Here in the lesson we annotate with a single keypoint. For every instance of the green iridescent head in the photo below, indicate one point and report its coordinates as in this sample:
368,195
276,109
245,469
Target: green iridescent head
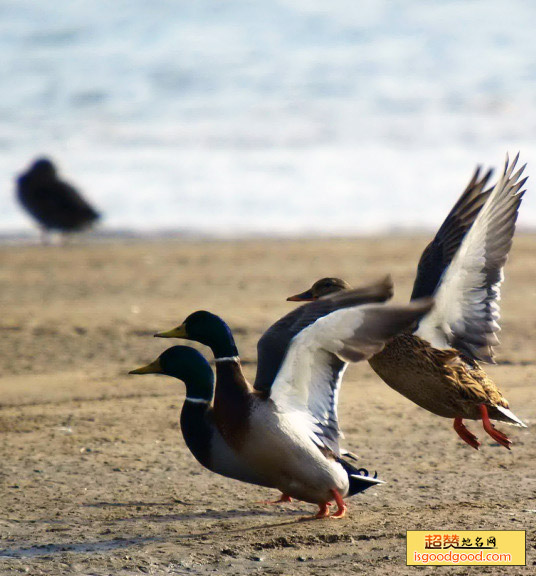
188,365
208,329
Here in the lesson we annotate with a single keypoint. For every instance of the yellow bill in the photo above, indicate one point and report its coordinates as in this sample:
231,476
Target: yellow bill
152,368
179,332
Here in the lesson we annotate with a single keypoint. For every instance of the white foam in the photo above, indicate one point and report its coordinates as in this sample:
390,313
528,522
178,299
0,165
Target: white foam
271,117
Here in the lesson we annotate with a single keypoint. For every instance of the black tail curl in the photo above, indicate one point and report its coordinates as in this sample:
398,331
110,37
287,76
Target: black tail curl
359,478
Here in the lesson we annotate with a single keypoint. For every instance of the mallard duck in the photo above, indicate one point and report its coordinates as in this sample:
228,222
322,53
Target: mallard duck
197,418
286,429
437,365
55,204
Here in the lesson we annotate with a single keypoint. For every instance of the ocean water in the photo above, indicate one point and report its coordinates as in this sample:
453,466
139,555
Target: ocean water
286,117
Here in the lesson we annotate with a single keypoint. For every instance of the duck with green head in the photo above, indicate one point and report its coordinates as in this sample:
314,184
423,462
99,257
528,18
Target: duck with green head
286,428
197,419
436,365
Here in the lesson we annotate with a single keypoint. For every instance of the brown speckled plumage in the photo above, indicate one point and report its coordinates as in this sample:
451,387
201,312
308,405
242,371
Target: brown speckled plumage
441,381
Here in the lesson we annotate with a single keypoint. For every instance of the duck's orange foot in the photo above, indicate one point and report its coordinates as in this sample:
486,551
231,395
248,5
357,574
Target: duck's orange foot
323,511
497,435
341,506
284,498
465,434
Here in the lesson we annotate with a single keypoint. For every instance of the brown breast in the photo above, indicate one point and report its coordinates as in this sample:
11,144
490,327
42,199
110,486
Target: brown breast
441,381
232,402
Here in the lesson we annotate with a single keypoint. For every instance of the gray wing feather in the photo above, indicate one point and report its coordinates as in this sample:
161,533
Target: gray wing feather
467,309
273,345
380,324
323,402
439,253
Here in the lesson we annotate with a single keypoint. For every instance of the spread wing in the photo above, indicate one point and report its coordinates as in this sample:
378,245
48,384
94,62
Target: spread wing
467,301
306,387
439,253
273,345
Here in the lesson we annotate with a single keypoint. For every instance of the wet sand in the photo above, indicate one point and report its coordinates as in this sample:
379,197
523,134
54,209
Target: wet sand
94,474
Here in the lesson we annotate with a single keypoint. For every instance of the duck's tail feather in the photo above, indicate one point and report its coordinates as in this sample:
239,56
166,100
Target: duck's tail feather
359,478
346,454
512,418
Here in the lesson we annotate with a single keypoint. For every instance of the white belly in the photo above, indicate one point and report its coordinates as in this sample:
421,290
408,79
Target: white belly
281,452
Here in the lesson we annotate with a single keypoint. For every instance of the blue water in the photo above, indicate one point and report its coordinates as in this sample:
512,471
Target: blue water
273,117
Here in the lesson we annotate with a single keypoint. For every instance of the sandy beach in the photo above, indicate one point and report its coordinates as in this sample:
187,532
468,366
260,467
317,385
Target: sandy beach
94,474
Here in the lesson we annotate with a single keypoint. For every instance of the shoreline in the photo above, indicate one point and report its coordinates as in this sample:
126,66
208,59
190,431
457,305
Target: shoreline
92,455
23,238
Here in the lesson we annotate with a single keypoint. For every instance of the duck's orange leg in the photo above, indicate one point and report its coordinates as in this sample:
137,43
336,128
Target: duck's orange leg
284,498
323,511
498,436
465,434
341,506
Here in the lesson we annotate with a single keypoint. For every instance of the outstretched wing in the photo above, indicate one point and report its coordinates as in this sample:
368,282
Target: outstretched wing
467,301
305,385
439,253
273,345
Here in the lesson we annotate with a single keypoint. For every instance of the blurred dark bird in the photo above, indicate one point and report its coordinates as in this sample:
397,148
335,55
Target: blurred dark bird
55,204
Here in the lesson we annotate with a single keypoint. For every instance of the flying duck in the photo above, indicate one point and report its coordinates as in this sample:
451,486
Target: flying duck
286,427
437,364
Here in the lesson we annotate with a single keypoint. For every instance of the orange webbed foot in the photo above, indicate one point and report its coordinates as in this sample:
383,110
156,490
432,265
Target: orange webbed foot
465,434
323,511
341,506
497,435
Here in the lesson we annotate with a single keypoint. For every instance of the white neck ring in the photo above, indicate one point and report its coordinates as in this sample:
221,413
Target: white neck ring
227,359
196,400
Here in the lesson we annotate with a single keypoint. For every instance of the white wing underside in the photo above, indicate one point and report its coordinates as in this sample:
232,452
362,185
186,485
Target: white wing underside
308,383
306,386
467,312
